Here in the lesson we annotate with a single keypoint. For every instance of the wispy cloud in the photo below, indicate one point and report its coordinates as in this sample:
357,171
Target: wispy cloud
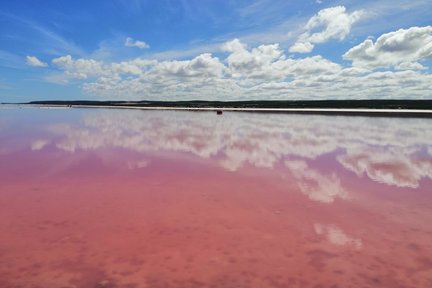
35,62
262,12
131,6
191,51
4,85
58,44
387,15
45,39
283,33
10,60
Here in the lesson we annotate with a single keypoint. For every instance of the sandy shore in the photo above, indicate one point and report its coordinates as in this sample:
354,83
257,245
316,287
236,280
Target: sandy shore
331,111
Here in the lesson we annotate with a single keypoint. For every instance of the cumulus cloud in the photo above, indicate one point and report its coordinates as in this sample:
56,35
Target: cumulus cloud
260,62
79,69
400,49
204,65
262,72
35,62
329,23
136,43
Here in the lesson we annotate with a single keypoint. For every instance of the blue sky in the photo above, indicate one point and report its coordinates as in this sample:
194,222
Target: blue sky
215,50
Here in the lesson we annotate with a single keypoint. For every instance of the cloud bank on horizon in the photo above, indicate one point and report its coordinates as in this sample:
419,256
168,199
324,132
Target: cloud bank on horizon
334,52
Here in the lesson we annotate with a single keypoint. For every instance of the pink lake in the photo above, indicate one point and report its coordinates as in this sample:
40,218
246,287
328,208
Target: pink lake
121,198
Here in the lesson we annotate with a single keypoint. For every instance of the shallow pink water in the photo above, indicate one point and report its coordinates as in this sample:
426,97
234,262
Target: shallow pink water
106,198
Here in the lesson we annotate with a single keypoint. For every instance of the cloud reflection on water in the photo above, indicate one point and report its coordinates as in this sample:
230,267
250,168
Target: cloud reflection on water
317,186
139,164
390,166
39,144
337,236
387,150
251,194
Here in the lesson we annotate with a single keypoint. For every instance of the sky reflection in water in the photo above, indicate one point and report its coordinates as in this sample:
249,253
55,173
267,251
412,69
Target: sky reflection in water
116,198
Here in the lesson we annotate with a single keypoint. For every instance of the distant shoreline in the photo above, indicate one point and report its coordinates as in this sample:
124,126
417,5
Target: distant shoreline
376,112
254,104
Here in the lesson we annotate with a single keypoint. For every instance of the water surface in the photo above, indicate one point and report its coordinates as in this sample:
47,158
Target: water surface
118,198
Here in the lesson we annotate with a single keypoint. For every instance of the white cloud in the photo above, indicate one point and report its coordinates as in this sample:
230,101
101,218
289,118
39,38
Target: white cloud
400,49
140,44
302,47
35,62
329,23
79,69
203,65
260,63
199,77
263,72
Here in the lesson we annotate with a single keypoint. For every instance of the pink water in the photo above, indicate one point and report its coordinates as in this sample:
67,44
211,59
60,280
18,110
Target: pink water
106,198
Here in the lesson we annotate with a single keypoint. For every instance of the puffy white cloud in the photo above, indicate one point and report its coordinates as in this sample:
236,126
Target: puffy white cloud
136,43
88,68
400,49
301,47
315,65
79,69
35,62
329,23
268,63
202,66
262,72
261,62
268,66
197,78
